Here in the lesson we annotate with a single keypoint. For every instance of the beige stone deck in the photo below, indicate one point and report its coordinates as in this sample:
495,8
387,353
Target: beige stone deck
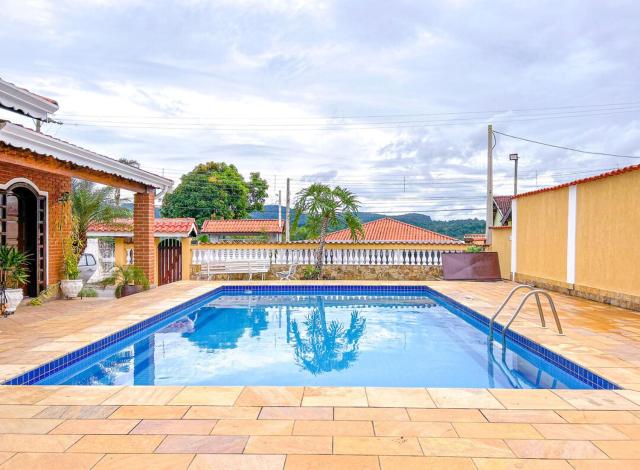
296,427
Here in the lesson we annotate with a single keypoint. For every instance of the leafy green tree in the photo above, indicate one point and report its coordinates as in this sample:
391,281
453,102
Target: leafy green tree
90,204
215,190
326,208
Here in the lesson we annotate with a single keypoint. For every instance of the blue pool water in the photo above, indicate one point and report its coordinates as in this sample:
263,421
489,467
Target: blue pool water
346,338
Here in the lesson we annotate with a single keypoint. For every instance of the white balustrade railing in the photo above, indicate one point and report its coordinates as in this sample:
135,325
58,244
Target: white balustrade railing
332,256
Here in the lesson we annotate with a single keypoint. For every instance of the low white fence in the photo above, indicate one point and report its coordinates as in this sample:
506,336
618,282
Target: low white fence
332,256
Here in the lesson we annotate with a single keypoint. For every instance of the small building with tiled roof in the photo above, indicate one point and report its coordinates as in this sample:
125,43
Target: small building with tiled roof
390,230
501,210
162,228
243,229
475,239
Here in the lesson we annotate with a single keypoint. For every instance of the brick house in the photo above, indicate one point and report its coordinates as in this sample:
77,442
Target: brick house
35,180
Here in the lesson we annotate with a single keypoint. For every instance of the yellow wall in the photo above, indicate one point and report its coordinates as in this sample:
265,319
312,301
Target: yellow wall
542,235
607,234
501,243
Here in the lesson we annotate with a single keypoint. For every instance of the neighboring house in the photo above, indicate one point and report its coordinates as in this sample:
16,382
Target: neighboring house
269,230
172,233
391,230
36,170
501,210
475,239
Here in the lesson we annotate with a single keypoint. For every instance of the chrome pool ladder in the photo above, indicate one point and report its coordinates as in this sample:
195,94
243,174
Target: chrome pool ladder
533,292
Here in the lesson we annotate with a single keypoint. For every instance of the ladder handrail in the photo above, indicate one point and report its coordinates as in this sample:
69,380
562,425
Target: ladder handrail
536,292
513,291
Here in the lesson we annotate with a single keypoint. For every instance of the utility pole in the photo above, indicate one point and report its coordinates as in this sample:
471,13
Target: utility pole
280,208
514,158
489,184
287,214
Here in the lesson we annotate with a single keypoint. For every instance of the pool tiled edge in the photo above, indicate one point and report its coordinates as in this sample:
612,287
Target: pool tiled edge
43,371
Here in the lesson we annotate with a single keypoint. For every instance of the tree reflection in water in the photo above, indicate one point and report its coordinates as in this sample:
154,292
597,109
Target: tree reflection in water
327,347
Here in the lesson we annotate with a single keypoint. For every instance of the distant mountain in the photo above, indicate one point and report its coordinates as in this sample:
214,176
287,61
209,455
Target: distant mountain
454,228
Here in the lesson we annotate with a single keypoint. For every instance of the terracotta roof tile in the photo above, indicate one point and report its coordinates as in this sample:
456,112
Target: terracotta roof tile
503,203
391,230
177,225
619,171
242,226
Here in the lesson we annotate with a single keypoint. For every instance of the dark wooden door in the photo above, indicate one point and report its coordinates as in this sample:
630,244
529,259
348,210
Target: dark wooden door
169,261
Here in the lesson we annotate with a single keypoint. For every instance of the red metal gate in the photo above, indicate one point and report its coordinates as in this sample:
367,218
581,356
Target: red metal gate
169,261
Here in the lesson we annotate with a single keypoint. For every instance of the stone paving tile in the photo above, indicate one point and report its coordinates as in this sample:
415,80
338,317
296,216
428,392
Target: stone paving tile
619,449
596,400
399,397
52,461
376,445
222,412
414,429
270,396
523,416
530,399
461,447
76,412
288,445
238,462
20,411
497,430
448,415
249,427
96,426
523,464
79,395
431,463
333,428
24,395
369,414
4,456
555,449
28,426
217,396
177,444
632,431
290,412
599,417
148,412
605,464
334,396
175,426
580,431
143,395
36,442
334,462
116,444
139,461
463,398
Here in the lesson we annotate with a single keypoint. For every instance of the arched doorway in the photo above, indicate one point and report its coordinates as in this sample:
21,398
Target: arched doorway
169,261
23,211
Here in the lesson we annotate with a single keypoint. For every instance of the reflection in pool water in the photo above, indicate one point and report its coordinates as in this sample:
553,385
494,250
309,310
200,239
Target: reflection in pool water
338,340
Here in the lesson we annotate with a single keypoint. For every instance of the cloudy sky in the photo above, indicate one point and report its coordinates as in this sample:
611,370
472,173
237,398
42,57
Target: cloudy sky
390,99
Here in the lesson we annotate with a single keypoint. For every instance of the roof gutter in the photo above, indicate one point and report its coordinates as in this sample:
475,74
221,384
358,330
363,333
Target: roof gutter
21,137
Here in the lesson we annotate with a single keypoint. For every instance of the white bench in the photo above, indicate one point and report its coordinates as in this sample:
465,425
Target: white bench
249,266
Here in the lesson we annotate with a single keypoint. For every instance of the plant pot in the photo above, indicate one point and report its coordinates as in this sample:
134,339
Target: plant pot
130,290
71,288
14,297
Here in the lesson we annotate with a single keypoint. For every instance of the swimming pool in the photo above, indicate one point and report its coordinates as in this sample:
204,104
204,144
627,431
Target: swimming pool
305,335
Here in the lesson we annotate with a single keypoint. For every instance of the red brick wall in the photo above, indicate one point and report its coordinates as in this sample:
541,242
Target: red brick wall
55,185
144,251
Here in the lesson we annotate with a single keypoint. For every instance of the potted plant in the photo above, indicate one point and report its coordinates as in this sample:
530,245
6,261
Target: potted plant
128,279
14,274
71,284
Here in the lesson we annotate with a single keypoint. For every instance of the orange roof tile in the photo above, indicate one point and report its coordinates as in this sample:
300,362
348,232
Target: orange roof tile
177,225
242,226
619,171
391,230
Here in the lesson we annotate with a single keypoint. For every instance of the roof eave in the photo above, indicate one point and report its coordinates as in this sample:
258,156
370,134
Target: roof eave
21,137
24,102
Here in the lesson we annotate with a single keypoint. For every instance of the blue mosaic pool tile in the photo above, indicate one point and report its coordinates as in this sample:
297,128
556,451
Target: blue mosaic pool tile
55,366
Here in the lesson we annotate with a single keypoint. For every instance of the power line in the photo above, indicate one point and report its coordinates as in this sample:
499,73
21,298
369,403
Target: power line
566,148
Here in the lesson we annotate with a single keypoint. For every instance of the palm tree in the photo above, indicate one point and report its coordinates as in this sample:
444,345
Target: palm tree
93,204
326,208
126,161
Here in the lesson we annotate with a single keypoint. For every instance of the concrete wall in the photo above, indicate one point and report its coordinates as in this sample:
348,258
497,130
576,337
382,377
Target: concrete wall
501,243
